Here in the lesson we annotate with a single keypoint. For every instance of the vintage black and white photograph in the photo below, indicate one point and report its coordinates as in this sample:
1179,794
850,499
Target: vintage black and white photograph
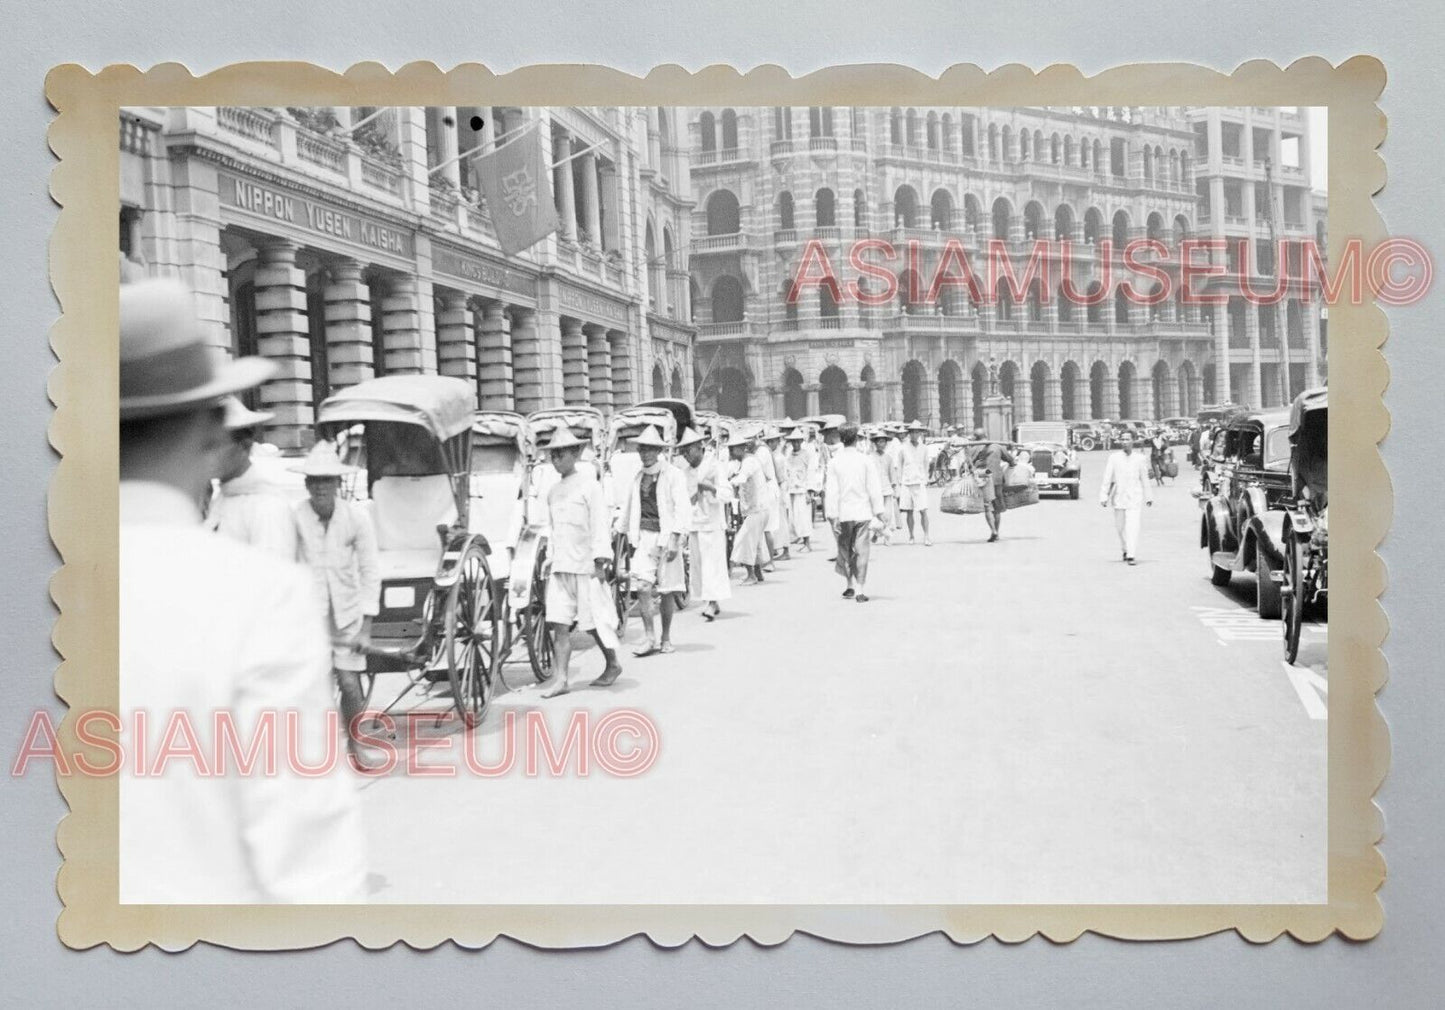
723,505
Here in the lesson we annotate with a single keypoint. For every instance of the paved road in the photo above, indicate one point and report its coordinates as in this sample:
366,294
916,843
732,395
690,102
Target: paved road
1026,721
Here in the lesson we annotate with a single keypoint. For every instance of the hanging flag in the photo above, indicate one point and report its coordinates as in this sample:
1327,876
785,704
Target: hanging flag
513,180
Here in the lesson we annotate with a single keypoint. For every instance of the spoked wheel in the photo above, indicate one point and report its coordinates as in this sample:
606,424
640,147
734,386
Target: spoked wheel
1294,597
621,579
472,636
534,620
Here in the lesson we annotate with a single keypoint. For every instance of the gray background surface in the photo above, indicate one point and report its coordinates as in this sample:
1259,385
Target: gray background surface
1400,968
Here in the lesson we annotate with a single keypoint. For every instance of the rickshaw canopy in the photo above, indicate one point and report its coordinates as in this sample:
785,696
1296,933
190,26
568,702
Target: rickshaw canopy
631,422
502,424
442,405
588,419
682,413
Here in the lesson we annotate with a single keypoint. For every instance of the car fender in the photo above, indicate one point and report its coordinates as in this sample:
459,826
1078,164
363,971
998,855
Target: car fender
1266,532
1216,511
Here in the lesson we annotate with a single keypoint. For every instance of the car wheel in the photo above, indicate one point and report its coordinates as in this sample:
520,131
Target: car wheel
1266,592
1087,444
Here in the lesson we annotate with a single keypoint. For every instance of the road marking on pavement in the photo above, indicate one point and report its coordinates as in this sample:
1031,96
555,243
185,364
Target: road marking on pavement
1313,690
1231,624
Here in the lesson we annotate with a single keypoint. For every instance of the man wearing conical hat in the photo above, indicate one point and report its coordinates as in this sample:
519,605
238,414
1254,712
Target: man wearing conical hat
246,505
213,628
913,481
709,492
656,516
337,541
751,488
797,466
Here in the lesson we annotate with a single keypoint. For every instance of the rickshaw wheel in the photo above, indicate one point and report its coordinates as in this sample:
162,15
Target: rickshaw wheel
534,620
1294,611
621,579
472,637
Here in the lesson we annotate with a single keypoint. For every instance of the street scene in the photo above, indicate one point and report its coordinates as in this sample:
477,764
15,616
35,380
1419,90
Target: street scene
1029,720
692,505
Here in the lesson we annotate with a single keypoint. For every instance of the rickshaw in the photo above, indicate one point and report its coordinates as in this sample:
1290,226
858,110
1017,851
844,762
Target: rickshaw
527,594
669,417
504,510
440,610
1305,576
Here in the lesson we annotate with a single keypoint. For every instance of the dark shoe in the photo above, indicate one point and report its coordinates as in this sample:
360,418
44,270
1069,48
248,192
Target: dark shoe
861,598
1124,556
847,594
1130,560
992,537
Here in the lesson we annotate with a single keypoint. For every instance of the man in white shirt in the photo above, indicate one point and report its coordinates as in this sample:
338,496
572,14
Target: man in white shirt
337,541
581,547
655,516
854,502
751,487
913,481
798,465
213,628
1126,488
708,491
247,504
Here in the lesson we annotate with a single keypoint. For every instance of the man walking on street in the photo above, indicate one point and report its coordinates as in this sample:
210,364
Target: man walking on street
750,486
338,543
855,507
246,505
707,490
800,509
887,467
581,548
913,481
655,516
1126,489
988,461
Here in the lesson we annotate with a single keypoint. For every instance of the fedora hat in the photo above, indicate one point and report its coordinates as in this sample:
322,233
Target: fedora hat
165,365
651,437
691,436
322,461
240,417
562,438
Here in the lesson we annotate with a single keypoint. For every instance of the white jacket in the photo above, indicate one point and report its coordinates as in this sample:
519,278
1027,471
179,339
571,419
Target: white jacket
1126,480
674,504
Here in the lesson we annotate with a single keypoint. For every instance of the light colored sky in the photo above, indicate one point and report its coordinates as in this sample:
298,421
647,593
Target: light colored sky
1317,116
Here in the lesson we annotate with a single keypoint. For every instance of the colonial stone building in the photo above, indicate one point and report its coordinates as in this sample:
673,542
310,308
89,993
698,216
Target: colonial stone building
770,180
347,243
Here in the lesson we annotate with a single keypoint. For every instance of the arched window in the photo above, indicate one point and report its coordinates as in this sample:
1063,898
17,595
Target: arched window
913,377
783,123
905,207
707,131
1093,226
727,300
722,213
911,125
823,209
1034,220
895,126
1002,218
860,209
1098,382
659,385
1127,407
1038,391
729,130
1064,223
785,211
941,206
1025,145
795,400
833,391
1121,306
1120,231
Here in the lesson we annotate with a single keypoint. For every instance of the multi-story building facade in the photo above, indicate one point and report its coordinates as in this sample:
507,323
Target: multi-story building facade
1253,186
768,181
345,243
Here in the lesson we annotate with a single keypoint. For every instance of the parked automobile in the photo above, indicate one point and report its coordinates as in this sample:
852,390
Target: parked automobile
1056,466
1087,436
1178,429
1248,486
1306,541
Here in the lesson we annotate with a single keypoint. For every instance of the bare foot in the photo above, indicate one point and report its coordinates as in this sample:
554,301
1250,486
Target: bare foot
562,687
609,676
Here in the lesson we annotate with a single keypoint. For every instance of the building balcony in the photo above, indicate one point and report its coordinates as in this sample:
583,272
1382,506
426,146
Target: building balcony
735,242
741,329
822,145
782,148
720,156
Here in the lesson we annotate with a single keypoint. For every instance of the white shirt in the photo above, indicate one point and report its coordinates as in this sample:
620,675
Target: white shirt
854,493
912,463
1126,480
251,510
212,627
581,530
707,511
751,484
674,506
341,554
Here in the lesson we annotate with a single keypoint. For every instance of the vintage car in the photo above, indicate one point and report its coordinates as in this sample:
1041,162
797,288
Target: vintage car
1087,436
1304,581
1178,429
1056,466
1242,523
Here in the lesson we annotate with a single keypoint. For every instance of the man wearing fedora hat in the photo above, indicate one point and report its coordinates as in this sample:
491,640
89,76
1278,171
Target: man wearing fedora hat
581,549
656,515
338,543
212,627
246,505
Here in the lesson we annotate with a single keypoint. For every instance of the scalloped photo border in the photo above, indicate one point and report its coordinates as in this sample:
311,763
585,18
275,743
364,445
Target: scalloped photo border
83,496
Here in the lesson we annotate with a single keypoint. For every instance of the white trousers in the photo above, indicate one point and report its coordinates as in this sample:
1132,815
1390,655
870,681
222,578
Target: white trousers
1126,522
710,565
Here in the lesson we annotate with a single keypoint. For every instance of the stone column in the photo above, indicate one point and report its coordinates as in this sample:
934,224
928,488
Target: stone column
574,363
963,402
928,400
402,327
654,139
1053,399
530,386
411,136
775,401
593,208
855,404
811,389
348,325
446,120
456,337
1111,394
282,335
1196,389
562,182
494,359
621,360
1143,396
599,367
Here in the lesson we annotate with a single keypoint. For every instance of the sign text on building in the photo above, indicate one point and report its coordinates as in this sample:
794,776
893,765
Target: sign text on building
454,264
593,306
309,215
